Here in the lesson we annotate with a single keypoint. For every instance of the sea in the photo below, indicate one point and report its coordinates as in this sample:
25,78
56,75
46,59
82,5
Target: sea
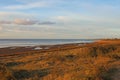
36,42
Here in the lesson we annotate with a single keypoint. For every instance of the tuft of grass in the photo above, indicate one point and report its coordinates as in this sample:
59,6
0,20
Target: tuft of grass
108,74
11,64
5,73
25,74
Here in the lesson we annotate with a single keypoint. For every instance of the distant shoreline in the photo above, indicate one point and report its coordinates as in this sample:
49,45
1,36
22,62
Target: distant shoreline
4,43
49,48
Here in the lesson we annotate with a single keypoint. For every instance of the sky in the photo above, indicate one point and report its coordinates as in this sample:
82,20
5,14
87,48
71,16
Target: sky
59,19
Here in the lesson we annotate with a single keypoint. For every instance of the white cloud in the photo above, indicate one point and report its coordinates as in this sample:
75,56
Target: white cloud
28,4
27,22
63,18
78,19
0,28
24,22
10,15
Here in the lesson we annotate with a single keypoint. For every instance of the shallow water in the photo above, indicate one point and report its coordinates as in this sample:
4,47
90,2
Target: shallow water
33,42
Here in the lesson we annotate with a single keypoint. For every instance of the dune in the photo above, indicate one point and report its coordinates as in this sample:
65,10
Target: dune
99,60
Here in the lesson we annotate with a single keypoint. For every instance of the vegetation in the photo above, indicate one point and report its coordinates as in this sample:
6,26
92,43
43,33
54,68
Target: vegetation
95,61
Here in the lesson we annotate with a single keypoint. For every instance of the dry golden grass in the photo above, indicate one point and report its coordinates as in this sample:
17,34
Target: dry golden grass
95,61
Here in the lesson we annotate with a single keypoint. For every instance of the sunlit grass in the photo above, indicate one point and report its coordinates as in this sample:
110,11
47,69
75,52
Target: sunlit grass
96,61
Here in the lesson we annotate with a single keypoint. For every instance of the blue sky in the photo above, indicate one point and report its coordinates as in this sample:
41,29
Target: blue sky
60,19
